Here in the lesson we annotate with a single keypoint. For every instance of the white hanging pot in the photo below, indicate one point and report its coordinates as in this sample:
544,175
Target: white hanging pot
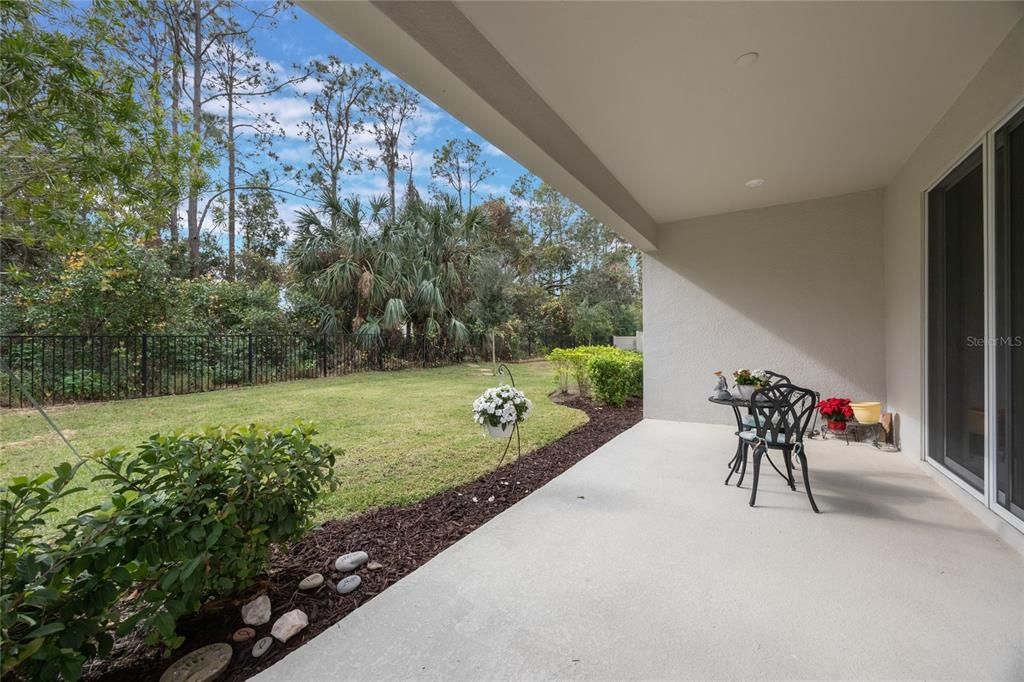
499,431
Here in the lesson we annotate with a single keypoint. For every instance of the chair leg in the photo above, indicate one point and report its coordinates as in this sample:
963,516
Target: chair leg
743,464
807,480
787,454
758,452
734,463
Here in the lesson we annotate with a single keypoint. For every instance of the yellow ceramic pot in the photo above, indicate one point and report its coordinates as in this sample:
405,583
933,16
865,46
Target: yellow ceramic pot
867,413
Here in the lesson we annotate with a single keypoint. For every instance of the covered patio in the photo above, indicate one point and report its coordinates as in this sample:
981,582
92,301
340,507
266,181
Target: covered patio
639,563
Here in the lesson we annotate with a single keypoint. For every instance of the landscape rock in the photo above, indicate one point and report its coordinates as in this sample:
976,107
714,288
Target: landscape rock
311,582
351,561
261,647
257,612
374,566
349,584
202,665
243,634
288,625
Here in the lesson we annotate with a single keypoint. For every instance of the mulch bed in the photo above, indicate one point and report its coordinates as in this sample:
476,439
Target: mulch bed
400,539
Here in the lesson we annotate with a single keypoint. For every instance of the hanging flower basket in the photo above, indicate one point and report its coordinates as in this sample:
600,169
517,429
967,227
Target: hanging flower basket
501,431
499,409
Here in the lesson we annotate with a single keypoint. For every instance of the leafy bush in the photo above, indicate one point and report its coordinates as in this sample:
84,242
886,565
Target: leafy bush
83,384
191,516
560,358
615,374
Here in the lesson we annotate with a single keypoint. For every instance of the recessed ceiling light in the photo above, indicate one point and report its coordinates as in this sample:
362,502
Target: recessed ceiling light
747,59
754,182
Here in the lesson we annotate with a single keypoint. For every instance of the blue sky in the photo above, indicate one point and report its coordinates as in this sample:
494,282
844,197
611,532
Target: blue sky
305,39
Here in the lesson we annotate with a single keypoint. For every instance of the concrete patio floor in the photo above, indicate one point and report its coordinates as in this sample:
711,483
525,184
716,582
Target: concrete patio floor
639,563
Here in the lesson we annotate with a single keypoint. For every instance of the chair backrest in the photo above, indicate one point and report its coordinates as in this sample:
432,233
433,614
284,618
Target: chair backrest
782,412
776,378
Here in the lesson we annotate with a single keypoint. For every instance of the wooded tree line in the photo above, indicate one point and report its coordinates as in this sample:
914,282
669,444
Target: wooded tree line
142,188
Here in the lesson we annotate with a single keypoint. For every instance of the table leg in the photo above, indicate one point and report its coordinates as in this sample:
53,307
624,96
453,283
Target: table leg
734,463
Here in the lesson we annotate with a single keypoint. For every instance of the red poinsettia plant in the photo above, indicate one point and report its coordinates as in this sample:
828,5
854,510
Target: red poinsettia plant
837,412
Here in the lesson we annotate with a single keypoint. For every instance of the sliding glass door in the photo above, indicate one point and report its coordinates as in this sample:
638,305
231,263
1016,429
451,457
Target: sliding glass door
1008,147
975,320
956,321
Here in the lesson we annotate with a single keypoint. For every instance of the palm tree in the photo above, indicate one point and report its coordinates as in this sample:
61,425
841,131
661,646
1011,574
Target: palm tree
377,276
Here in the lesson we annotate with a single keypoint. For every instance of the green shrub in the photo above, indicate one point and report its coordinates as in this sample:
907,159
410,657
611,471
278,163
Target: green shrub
560,358
191,516
614,374
82,384
617,377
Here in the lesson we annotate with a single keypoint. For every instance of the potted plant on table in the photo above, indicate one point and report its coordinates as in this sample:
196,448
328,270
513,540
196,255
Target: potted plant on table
499,409
748,381
836,411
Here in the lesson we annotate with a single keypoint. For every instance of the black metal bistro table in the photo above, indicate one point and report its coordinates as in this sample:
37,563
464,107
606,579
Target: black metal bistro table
739,460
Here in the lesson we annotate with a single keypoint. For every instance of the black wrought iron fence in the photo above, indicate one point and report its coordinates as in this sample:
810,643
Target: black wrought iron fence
61,369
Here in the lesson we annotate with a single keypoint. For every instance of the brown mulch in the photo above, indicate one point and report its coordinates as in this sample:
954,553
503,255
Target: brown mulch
398,539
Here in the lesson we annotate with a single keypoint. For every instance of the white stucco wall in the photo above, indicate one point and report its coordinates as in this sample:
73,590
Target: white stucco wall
994,91
762,289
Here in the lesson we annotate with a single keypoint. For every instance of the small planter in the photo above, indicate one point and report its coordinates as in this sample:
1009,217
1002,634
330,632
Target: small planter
867,413
836,426
499,431
745,391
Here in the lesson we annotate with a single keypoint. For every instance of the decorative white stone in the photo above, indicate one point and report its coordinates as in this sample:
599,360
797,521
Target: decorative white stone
311,582
349,584
202,665
288,625
257,612
262,646
351,561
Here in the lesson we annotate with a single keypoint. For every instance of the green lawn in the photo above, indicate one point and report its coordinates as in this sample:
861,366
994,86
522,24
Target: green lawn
405,435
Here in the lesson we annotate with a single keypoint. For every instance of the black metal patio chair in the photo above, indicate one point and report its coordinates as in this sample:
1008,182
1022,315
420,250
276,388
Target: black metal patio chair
782,415
739,460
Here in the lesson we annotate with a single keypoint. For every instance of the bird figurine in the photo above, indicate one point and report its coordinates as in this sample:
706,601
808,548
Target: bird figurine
721,390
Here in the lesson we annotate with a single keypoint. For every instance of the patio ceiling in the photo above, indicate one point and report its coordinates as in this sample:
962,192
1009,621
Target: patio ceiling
640,113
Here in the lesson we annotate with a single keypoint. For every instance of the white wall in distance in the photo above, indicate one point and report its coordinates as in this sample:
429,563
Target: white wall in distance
993,92
796,288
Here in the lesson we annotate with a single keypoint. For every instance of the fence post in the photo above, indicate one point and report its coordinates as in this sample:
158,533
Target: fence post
145,364
323,355
249,363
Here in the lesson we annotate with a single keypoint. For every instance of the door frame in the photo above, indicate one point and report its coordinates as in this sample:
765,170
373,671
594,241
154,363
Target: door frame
988,495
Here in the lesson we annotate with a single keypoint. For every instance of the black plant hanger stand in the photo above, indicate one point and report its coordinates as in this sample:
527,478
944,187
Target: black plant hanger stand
503,369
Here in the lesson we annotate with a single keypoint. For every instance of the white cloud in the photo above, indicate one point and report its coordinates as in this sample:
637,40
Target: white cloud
491,189
491,150
421,161
427,121
289,209
295,153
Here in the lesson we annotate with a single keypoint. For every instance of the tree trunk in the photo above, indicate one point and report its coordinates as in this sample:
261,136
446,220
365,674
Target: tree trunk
231,181
197,112
176,83
391,187
494,357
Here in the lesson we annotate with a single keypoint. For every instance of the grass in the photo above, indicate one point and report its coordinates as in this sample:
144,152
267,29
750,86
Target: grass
405,435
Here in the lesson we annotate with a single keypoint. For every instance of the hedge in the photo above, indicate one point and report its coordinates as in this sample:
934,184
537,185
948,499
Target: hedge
611,375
